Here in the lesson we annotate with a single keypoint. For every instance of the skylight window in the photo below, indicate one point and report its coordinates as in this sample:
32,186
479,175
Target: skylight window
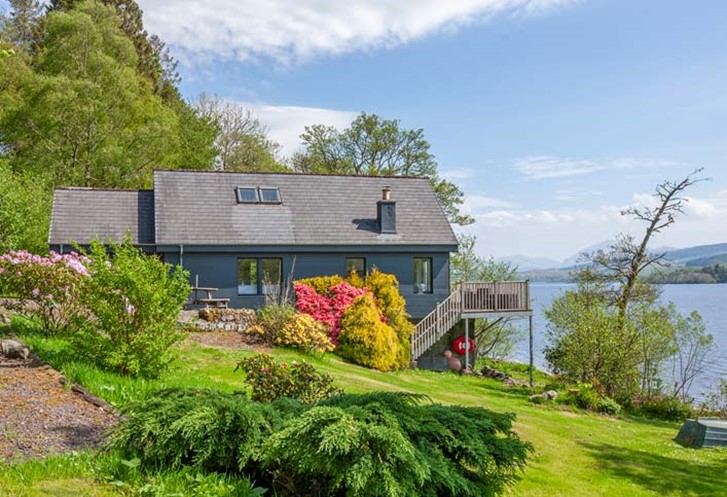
269,195
247,195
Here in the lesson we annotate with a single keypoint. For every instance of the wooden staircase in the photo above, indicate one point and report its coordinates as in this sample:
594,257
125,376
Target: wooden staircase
470,299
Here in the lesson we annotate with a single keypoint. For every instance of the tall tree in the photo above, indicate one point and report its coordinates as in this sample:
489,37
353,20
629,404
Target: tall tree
242,142
611,330
21,26
86,116
372,145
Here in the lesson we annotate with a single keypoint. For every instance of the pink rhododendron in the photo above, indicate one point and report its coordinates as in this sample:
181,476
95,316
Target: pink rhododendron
324,309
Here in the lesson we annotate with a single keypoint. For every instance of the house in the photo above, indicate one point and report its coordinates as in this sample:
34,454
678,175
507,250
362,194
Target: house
248,235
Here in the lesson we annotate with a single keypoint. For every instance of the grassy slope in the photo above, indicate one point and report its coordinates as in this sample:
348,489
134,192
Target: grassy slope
575,453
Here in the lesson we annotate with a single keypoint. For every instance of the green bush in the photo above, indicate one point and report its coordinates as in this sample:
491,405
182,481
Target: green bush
386,444
202,428
133,302
365,339
607,405
270,320
664,407
272,380
381,444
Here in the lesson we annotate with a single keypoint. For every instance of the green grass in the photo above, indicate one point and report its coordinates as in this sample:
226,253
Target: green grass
576,453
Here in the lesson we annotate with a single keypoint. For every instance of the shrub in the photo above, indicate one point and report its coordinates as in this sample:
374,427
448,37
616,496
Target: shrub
205,428
305,333
322,284
327,307
607,405
270,320
392,305
134,301
271,380
386,444
47,287
664,407
365,339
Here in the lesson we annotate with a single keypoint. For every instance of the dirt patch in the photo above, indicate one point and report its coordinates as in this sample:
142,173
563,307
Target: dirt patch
39,417
224,339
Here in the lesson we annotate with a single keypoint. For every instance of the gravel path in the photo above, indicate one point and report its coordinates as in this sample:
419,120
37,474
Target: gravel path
39,416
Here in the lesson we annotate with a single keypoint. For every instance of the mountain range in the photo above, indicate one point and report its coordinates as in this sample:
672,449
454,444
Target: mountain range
544,269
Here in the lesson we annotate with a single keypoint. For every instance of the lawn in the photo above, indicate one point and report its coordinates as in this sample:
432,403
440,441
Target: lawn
576,453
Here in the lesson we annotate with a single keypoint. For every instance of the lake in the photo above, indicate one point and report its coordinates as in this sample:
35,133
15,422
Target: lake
709,300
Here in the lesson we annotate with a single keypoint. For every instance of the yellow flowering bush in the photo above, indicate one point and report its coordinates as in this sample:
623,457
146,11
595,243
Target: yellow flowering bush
303,332
365,339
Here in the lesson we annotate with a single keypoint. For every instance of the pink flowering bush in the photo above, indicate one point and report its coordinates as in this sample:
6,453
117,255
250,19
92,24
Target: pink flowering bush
327,309
46,288
272,380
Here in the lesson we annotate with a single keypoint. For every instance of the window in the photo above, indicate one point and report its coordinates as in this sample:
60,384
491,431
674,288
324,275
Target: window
247,276
259,275
272,272
246,195
357,264
257,195
422,275
269,195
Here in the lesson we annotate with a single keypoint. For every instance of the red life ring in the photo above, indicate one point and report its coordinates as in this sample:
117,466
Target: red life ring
460,345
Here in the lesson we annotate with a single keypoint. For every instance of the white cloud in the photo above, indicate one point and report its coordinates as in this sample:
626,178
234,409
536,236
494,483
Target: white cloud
549,167
474,203
458,173
294,30
562,233
286,122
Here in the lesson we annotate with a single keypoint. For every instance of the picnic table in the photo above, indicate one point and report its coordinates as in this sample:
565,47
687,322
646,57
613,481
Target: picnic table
209,299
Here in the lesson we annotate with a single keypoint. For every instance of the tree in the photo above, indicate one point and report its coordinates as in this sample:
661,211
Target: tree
24,211
610,330
375,146
86,116
21,26
693,344
242,142
494,338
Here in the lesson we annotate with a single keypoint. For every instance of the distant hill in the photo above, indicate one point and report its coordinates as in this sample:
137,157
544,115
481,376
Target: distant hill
687,256
550,270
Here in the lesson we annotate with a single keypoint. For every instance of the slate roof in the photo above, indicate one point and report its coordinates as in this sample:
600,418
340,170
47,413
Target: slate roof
200,208
82,214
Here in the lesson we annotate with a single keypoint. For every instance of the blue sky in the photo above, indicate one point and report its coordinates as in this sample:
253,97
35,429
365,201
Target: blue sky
552,115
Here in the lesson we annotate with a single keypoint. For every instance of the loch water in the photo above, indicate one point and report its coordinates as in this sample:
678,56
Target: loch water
709,300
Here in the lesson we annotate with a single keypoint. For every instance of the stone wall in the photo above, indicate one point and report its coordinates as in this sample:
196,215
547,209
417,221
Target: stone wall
218,319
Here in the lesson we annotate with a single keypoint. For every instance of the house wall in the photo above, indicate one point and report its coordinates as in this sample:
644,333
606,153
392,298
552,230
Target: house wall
219,270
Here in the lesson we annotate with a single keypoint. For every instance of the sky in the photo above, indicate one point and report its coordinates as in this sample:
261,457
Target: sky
551,115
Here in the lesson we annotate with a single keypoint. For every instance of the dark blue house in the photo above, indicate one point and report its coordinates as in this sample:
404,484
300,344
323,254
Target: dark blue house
250,234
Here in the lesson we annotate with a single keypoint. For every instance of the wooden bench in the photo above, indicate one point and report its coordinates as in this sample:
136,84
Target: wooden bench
220,303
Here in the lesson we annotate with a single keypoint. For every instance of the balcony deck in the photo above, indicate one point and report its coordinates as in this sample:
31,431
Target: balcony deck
506,298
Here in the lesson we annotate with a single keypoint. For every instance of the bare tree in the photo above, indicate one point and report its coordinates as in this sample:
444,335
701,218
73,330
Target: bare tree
242,141
627,258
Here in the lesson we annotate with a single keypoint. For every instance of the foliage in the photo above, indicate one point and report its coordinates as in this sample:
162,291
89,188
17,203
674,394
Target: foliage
89,120
270,320
21,26
203,428
715,402
323,284
305,333
692,345
271,380
242,142
387,444
365,339
585,396
375,146
666,407
329,307
134,301
47,287
392,306
24,211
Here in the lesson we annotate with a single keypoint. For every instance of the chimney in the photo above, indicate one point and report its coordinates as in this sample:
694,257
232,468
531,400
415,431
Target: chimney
386,212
